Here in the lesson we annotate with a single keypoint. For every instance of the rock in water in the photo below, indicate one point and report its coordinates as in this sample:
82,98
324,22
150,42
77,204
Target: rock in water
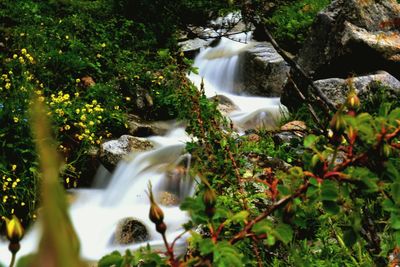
352,36
264,70
129,230
167,199
113,151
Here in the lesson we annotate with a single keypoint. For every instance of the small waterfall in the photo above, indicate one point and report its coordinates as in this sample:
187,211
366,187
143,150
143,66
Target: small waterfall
220,72
97,212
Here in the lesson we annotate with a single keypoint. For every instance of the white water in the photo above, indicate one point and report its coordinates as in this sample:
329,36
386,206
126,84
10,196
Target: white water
96,212
219,70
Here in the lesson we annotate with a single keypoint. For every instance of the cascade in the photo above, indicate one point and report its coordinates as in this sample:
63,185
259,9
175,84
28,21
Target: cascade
96,212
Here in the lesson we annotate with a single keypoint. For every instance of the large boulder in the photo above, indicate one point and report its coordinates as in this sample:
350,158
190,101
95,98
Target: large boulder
129,230
113,151
264,71
353,36
337,89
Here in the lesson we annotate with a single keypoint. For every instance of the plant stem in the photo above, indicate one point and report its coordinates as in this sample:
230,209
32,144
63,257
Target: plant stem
12,259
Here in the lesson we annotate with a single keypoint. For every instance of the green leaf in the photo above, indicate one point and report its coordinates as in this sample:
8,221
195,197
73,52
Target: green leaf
226,255
240,216
395,190
331,207
395,221
310,140
349,237
329,191
206,246
284,233
114,258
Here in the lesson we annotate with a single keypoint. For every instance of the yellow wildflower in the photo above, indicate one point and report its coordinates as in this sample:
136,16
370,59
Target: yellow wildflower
16,120
23,51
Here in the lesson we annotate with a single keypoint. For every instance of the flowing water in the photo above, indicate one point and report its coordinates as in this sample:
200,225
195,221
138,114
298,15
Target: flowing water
96,212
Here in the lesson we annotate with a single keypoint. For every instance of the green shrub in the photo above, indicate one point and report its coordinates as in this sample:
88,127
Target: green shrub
290,22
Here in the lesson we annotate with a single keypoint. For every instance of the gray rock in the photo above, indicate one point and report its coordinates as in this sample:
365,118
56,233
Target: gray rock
192,47
225,105
113,151
337,89
142,128
129,230
167,199
143,102
352,36
264,70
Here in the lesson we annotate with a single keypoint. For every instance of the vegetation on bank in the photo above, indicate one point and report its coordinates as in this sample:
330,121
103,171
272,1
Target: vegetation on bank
338,205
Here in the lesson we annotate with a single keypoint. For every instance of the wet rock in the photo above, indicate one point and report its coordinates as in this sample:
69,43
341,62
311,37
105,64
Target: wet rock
225,105
129,230
167,199
285,138
352,36
264,70
192,47
113,151
143,102
142,128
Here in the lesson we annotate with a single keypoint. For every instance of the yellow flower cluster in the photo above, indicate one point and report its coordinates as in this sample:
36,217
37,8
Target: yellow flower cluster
158,79
5,81
24,56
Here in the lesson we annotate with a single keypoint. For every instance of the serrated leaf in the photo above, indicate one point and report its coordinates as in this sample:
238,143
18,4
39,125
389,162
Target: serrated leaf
206,246
395,221
240,216
389,206
329,191
395,191
310,140
331,207
112,259
284,233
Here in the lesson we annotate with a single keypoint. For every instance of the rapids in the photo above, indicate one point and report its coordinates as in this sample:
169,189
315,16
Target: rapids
96,212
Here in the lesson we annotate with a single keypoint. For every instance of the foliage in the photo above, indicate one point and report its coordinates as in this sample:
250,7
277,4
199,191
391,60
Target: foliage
91,66
290,22
337,206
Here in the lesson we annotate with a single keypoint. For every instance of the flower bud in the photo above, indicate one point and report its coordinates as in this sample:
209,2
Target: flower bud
353,102
337,123
161,228
14,229
156,214
209,198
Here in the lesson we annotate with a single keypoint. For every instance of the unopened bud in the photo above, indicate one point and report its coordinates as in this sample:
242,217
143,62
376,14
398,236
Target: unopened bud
14,229
156,214
14,247
353,102
337,123
209,198
161,228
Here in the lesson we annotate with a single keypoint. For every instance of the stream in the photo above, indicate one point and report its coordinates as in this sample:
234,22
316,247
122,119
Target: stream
96,213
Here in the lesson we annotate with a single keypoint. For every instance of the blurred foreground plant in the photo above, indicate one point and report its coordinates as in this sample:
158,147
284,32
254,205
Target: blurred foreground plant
59,245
